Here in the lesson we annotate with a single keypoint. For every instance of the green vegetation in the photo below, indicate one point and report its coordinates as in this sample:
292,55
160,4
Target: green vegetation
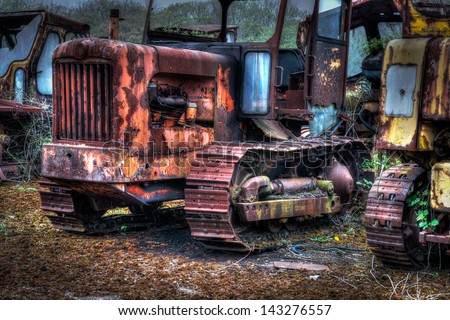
419,201
93,12
27,137
376,44
3,230
322,239
379,162
20,188
256,20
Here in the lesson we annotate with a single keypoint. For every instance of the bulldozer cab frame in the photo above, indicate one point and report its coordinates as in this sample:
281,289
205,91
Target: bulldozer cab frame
280,82
27,40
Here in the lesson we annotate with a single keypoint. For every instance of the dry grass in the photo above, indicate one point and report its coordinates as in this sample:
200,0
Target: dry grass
38,262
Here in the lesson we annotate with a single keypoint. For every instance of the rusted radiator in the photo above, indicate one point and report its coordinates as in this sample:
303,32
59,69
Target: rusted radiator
83,103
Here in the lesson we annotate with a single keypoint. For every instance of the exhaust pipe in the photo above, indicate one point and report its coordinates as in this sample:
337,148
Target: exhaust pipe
114,24
262,185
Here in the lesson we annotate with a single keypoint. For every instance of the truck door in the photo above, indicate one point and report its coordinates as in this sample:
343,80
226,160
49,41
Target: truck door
326,63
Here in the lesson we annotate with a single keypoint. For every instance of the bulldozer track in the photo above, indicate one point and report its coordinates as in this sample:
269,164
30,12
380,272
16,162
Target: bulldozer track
209,194
210,197
386,220
59,200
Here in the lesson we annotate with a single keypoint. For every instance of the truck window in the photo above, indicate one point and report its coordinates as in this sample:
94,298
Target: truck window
73,36
390,30
44,66
358,37
185,17
296,12
256,84
17,41
329,24
256,19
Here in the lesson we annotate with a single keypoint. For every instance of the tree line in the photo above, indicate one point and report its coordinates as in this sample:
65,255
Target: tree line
93,12
255,19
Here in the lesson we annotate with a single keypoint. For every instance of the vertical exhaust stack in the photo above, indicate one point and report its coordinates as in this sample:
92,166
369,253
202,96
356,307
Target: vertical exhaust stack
114,24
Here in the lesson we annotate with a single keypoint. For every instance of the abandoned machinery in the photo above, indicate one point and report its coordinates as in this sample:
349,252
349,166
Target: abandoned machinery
408,211
215,123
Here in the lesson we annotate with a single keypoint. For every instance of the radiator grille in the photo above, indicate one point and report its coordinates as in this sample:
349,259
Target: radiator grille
83,101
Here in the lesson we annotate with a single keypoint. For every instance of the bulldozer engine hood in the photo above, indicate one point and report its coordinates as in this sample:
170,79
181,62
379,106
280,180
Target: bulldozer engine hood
132,68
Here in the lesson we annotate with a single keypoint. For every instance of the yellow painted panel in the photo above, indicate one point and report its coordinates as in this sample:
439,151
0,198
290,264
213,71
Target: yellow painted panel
440,186
401,132
426,137
423,26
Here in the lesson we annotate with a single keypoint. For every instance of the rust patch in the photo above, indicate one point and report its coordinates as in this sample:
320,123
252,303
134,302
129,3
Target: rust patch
224,99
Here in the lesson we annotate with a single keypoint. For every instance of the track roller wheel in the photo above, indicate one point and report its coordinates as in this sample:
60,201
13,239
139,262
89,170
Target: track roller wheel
291,224
274,226
83,209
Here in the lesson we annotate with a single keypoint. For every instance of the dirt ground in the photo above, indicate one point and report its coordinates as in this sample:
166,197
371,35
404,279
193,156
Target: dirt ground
38,262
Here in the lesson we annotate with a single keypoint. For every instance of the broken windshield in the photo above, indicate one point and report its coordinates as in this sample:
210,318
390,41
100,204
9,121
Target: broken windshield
188,17
255,19
17,37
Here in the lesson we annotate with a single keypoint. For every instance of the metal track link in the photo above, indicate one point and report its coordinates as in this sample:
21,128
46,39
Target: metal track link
208,193
207,197
59,200
385,221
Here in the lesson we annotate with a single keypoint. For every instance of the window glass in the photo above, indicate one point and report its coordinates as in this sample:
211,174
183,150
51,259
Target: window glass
256,83
330,19
358,38
17,41
256,19
19,85
186,17
44,67
400,90
296,12
231,37
390,30
72,36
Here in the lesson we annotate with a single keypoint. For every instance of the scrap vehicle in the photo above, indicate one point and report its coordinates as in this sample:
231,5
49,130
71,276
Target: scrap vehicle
407,213
373,24
216,123
27,40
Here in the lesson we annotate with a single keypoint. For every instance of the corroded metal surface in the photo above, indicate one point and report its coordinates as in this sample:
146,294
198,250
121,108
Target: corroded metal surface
15,108
440,187
288,208
50,23
400,132
389,225
73,215
428,19
216,180
328,85
436,92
